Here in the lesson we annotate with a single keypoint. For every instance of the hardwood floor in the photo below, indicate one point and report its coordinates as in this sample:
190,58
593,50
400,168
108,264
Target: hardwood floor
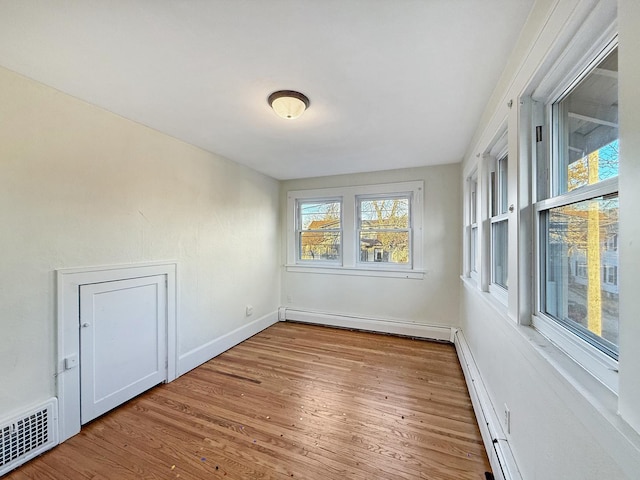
294,401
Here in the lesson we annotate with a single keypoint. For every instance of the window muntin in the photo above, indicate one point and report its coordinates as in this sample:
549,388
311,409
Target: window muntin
319,230
384,233
579,224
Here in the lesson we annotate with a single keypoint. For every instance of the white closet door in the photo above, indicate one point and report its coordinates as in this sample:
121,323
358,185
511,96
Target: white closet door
122,341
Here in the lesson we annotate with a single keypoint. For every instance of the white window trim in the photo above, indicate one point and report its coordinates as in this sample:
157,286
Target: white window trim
499,151
575,66
474,208
298,229
599,364
382,265
350,264
551,105
500,293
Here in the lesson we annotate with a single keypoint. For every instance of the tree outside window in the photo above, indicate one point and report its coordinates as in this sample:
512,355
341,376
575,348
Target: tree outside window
384,229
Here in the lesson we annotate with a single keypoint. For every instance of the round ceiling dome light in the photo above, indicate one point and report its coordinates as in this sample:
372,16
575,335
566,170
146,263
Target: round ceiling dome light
288,103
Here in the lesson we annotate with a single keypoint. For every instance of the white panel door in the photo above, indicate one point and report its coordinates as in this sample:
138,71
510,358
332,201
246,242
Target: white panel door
122,341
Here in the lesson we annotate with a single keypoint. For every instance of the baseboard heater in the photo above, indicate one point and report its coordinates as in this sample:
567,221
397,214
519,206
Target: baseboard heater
28,434
496,444
371,324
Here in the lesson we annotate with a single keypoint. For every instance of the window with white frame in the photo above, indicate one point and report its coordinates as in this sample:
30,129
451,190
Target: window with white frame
360,230
499,222
473,226
384,229
578,214
319,230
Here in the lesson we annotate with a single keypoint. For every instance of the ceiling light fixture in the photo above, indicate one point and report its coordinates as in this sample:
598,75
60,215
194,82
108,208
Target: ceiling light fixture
288,104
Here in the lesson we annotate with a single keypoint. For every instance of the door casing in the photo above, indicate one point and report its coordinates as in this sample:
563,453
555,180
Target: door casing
68,282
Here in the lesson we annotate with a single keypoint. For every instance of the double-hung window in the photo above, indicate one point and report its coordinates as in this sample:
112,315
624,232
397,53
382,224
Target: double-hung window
367,230
578,212
319,230
384,229
499,223
473,227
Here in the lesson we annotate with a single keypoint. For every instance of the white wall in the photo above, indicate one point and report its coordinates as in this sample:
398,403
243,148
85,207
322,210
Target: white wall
431,301
564,423
555,431
629,11
82,187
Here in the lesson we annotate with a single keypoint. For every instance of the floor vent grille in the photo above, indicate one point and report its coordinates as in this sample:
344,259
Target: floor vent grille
27,435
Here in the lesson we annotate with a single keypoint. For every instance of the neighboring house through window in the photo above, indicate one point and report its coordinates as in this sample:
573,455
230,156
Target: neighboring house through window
319,230
361,230
384,231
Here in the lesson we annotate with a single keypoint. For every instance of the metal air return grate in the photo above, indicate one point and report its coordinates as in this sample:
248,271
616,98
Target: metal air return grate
27,435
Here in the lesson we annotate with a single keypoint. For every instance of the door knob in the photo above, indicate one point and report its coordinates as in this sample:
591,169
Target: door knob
85,324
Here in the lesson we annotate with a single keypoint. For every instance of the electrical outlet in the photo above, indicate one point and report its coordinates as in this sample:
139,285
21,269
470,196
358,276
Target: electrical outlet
249,310
507,419
289,298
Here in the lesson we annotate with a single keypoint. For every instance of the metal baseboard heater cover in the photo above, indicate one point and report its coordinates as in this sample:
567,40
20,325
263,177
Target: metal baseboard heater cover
498,449
28,434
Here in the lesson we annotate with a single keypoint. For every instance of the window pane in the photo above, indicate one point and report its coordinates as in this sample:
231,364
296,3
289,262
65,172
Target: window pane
387,213
320,215
384,230
474,246
384,246
502,189
588,123
319,225
499,233
581,271
474,205
319,245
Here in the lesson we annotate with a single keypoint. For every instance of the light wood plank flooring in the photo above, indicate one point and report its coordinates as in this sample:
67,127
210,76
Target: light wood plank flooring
294,401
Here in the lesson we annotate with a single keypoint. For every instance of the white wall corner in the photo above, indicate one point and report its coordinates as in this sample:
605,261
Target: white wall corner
209,350
454,331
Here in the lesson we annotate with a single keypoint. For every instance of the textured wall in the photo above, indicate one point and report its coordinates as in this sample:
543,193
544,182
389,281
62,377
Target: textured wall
82,187
431,301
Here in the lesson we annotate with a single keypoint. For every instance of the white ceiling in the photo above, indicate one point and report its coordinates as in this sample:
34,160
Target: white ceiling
392,83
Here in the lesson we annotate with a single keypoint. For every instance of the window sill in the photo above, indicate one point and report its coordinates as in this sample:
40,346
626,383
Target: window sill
469,281
586,361
499,293
591,399
489,297
357,271
605,369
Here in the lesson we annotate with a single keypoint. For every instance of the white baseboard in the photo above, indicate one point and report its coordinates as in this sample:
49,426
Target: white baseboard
381,325
206,352
496,444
